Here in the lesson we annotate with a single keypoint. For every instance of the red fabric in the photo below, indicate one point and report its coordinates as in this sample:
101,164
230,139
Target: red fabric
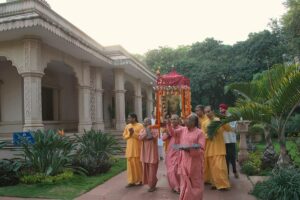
224,106
172,79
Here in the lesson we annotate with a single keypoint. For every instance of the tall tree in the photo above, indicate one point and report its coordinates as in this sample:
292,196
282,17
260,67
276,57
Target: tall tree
291,25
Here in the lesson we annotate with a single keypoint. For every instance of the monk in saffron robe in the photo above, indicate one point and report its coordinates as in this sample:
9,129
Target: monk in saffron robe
172,156
199,110
191,161
215,155
165,136
204,122
133,150
149,154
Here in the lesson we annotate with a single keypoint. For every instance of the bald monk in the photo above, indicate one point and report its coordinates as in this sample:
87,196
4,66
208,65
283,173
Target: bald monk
215,156
149,154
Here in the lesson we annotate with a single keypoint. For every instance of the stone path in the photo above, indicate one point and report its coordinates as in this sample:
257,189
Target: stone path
114,189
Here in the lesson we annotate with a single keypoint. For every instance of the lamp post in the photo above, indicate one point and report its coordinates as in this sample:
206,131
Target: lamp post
242,128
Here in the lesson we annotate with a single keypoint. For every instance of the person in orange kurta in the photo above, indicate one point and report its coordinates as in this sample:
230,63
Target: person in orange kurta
215,156
203,122
133,150
149,154
199,110
191,160
172,156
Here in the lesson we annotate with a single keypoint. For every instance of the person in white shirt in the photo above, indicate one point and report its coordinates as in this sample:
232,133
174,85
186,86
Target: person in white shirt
230,142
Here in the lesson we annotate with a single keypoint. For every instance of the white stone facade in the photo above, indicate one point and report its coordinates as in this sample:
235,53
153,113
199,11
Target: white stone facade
52,75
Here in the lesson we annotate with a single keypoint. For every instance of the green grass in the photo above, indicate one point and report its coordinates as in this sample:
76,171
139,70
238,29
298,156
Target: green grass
68,189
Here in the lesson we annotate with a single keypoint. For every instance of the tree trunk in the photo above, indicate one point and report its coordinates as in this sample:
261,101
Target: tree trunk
284,160
268,137
269,157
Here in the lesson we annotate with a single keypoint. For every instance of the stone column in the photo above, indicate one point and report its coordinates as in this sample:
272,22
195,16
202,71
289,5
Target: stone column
138,101
120,99
99,125
32,101
242,128
32,73
84,95
149,101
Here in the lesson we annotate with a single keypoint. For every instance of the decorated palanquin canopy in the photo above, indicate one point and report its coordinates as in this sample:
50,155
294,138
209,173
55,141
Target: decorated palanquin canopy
172,79
170,88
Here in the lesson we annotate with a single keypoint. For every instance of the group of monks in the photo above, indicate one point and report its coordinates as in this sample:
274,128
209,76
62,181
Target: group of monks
192,159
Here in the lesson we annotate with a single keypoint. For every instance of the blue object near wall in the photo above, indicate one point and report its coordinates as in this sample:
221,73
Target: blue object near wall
19,137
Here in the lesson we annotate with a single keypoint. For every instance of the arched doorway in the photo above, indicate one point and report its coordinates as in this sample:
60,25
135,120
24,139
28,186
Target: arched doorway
11,98
60,97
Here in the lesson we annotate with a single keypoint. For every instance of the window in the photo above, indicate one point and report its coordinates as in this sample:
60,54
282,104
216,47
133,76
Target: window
47,104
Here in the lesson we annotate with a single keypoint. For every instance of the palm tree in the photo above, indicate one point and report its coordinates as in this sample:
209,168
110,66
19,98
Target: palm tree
269,99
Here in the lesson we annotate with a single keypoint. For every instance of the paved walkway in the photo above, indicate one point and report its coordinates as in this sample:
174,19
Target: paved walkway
114,189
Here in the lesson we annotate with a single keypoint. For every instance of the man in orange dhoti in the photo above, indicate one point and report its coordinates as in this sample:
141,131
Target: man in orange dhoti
172,155
215,153
133,150
191,161
149,154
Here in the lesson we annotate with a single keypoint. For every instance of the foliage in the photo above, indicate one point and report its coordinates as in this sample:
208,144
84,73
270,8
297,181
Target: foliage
291,25
211,64
252,165
42,178
283,184
293,124
2,144
294,152
281,97
51,153
9,172
256,128
95,151
65,189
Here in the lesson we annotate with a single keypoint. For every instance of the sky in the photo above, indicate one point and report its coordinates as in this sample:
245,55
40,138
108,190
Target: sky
142,25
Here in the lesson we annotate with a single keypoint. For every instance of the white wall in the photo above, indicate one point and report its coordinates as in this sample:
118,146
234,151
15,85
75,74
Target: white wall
11,99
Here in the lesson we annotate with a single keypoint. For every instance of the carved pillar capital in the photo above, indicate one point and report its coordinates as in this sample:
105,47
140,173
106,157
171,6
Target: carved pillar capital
32,55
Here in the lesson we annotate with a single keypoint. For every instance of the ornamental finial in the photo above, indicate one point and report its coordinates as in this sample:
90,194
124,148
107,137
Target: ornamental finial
158,71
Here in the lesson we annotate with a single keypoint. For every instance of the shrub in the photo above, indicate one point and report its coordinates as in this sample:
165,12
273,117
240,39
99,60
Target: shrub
50,154
248,168
283,184
9,172
294,153
252,165
42,178
95,151
2,144
293,125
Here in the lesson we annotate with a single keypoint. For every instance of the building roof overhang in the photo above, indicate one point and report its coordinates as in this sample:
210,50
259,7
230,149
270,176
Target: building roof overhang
19,19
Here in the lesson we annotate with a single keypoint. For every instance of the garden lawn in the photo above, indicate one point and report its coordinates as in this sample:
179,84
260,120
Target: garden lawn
68,189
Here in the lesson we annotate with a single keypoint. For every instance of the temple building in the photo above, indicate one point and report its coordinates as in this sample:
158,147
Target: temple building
52,75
